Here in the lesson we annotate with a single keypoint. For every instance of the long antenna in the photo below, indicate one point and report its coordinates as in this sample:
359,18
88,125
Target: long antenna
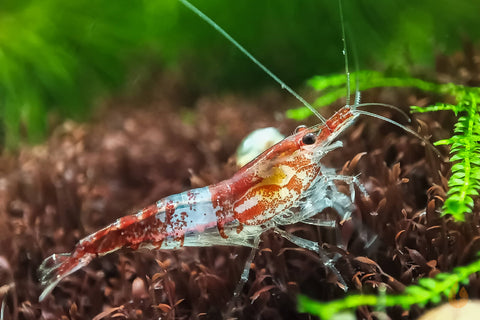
251,57
345,53
357,73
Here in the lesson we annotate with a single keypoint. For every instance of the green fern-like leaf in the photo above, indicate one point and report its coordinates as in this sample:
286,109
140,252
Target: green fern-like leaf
428,290
464,184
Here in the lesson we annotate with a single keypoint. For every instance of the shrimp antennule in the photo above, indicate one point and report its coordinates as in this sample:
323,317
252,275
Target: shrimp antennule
395,123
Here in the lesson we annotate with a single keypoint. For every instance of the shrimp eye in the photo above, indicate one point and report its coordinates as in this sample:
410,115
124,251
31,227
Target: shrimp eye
309,138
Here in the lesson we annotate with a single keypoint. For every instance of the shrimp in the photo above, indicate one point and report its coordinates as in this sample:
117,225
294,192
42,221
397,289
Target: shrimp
284,185
281,186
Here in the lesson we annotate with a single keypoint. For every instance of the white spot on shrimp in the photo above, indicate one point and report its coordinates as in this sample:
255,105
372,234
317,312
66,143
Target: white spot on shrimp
302,176
284,193
247,204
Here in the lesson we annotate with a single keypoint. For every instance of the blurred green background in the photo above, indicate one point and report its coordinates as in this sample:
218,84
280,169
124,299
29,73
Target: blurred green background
57,56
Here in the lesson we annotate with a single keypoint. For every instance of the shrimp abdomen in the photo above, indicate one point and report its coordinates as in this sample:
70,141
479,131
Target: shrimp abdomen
164,225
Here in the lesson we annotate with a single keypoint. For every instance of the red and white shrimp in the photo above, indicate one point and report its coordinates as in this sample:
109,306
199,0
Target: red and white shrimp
283,185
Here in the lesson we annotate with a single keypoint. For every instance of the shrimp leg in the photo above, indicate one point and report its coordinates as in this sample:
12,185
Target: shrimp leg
243,279
320,222
246,269
313,246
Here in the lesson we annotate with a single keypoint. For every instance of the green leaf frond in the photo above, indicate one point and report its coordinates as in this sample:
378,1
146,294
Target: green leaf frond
428,290
464,184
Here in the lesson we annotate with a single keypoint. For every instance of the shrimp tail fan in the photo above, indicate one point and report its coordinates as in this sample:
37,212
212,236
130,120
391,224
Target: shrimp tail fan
58,266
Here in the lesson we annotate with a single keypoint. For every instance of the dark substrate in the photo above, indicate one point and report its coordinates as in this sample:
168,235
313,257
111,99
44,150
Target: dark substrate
141,149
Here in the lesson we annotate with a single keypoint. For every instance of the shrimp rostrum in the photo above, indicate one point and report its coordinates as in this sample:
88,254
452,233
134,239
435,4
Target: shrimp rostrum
284,185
